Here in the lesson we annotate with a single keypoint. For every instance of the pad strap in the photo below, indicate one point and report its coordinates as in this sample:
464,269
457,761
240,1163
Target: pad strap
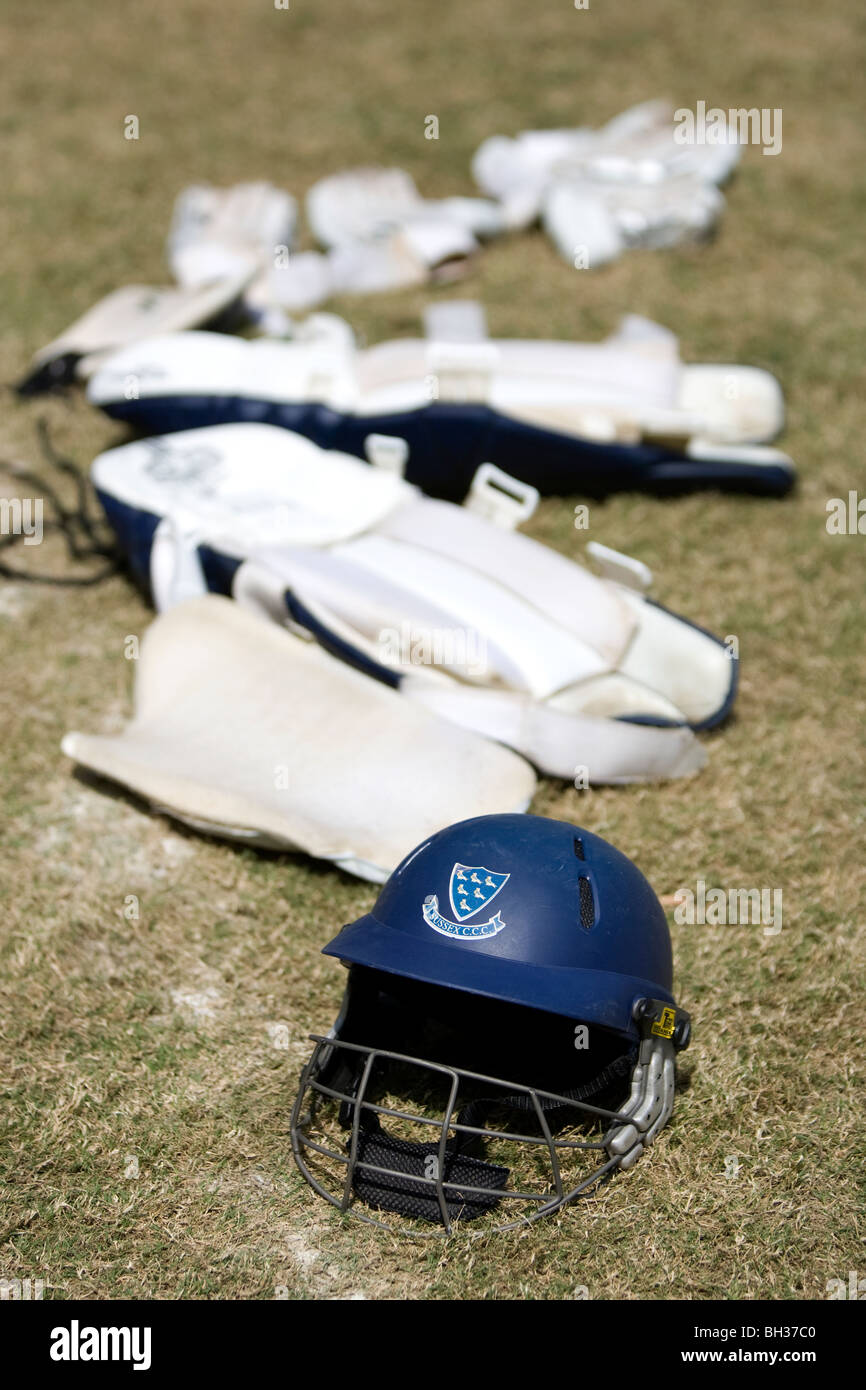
560,744
455,321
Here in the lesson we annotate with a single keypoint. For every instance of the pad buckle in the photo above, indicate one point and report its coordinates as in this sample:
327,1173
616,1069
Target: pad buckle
499,498
388,452
619,568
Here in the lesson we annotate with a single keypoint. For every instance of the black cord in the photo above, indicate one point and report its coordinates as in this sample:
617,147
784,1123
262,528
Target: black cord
80,530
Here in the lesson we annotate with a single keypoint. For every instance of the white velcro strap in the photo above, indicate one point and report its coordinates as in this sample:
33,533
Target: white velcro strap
595,424
668,425
709,452
609,751
619,568
462,370
175,570
263,590
387,451
498,497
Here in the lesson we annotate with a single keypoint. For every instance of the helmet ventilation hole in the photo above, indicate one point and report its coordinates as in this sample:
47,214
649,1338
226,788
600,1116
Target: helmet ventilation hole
587,902
578,848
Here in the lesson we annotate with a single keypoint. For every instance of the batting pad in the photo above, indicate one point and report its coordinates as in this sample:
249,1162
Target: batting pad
243,730
564,418
125,316
475,621
630,386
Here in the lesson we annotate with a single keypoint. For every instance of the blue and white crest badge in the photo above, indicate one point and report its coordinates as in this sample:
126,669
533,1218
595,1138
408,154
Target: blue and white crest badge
471,889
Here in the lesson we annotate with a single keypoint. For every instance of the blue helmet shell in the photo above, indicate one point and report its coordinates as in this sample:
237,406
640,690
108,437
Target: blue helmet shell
524,909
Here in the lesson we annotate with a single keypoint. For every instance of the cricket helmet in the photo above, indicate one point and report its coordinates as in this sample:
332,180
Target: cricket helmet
507,1035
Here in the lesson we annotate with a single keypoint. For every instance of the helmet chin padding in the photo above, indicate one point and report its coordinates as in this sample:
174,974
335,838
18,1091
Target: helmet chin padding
385,1116
393,1175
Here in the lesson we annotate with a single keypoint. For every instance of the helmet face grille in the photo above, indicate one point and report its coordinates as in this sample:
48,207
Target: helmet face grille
442,1146
587,902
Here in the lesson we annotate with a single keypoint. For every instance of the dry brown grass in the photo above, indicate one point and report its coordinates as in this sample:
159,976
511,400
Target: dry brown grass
150,1040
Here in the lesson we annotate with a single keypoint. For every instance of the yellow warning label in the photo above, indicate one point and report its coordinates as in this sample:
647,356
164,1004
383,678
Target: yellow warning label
664,1026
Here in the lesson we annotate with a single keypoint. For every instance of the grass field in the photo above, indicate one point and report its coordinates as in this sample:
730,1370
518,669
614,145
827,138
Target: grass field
145,1148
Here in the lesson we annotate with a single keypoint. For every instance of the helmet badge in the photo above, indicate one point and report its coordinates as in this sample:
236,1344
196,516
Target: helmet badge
471,889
